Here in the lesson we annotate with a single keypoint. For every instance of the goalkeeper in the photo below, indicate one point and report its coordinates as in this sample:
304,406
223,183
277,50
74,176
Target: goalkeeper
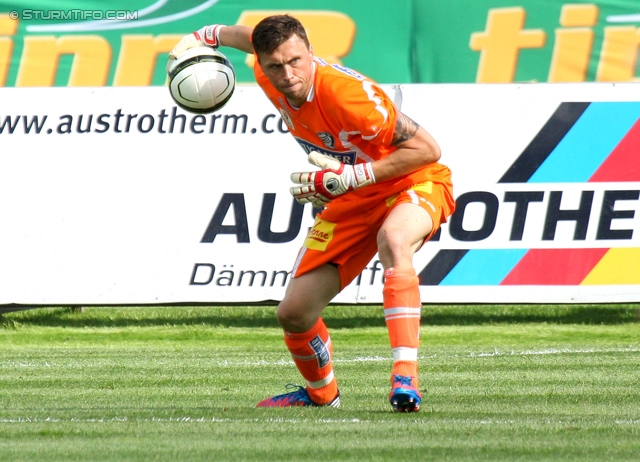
380,188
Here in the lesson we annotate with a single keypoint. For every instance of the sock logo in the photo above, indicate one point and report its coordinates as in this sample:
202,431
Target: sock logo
321,351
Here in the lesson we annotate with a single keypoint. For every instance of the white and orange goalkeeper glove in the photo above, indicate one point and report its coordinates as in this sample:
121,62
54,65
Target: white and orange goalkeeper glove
335,179
206,36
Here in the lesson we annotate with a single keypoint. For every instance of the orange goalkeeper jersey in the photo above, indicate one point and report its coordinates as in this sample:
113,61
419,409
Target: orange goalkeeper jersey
351,118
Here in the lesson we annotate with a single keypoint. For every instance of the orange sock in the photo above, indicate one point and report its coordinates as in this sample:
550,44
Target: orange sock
402,309
312,352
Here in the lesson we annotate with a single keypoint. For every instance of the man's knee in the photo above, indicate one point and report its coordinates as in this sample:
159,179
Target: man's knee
392,244
294,318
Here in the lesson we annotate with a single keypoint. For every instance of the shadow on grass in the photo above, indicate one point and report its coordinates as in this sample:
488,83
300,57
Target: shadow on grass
336,317
525,314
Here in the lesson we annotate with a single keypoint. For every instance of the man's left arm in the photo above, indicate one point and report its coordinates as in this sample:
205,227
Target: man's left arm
416,148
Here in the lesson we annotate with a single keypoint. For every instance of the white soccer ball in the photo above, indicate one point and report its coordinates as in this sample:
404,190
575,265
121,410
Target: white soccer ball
201,80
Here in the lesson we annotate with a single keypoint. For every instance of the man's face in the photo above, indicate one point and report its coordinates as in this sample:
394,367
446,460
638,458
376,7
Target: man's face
290,69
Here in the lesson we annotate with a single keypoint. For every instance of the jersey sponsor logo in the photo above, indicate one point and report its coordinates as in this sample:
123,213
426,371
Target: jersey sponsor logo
346,157
287,119
328,139
319,235
321,351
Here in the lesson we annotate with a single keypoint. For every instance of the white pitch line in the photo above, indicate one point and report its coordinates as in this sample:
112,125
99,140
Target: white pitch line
495,352
324,420
287,362
556,351
185,419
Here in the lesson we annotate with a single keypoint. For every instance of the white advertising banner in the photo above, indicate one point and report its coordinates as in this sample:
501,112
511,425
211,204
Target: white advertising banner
113,195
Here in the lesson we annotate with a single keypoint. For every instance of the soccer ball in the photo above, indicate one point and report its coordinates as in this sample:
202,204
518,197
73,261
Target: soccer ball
201,80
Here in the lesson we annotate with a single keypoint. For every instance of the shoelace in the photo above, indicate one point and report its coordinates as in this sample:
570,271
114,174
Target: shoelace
404,380
296,392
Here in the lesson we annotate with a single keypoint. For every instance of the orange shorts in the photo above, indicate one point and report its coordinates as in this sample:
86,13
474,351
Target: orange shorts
347,236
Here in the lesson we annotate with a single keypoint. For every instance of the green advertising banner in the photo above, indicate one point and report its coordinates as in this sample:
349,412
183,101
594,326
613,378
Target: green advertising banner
85,43
502,41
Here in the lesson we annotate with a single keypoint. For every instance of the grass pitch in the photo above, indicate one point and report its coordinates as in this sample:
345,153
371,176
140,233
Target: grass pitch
180,383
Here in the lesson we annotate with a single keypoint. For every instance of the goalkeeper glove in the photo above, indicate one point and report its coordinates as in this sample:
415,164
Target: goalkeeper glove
335,179
205,36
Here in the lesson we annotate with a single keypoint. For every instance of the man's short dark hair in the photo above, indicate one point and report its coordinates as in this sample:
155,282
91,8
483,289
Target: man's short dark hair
273,31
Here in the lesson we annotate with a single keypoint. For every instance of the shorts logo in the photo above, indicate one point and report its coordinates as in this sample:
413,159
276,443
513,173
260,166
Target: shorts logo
327,139
426,187
320,235
321,351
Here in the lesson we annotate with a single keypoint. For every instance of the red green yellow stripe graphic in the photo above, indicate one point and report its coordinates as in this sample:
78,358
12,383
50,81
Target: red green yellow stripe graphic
613,158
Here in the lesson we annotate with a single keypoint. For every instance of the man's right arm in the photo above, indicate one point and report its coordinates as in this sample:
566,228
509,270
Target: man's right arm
236,36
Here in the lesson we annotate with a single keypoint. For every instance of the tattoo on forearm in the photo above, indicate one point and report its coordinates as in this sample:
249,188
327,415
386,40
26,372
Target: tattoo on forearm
405,129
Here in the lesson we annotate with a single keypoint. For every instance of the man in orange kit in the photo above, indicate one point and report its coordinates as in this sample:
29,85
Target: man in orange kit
381,189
